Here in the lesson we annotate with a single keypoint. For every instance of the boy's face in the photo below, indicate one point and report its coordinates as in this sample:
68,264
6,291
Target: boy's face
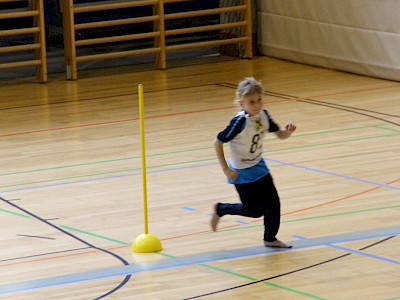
252,104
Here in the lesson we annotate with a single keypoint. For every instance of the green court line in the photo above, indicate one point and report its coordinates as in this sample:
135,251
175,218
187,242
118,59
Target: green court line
312,218
104,161
209,147
171,256
220,269
65,178
334,143
266,282
299,135
228,272
165,254
68,166
385,128
342,214
15,213
251,278
222,230
203,160
172,164
242,227
106,173
94,235
295,291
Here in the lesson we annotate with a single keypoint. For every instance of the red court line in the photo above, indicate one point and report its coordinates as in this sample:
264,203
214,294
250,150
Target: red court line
188,112
113,122
337,93
125,120
352,91
67,127
330,202
292,212
199,232
340,199
51,257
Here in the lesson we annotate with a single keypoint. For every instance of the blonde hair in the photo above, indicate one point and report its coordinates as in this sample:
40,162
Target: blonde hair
248,86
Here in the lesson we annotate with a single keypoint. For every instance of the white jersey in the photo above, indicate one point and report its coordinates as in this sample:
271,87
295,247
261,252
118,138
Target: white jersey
245,136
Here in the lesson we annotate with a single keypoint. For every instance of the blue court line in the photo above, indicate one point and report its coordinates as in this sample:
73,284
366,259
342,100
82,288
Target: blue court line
242,222
332,174
194,260
392,261
193,167
105,178
357,252
188,208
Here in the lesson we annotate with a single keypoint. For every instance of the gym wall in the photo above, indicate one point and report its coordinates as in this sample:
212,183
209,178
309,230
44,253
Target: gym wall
357,36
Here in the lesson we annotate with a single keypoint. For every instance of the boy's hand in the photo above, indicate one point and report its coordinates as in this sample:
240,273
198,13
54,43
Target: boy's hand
231,174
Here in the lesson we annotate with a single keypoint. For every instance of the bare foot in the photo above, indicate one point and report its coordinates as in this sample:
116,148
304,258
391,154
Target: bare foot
215,218
277,244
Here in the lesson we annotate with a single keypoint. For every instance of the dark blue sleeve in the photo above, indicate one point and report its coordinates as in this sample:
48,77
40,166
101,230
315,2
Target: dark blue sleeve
273,127
233,129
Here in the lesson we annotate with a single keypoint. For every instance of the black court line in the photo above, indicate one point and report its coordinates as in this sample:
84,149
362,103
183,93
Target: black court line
355,110
36,236
287,273
103,98
43,254
126,278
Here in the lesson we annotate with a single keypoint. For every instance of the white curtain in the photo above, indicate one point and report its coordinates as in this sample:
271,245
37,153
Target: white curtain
359,36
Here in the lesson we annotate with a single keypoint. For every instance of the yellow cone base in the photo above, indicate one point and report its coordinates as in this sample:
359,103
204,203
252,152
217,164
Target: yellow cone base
146,243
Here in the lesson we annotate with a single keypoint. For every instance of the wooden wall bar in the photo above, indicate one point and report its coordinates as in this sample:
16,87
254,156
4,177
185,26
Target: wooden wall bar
158,33
35,27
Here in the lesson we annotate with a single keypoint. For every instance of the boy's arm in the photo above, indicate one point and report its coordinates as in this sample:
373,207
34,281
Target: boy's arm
285,133
219,150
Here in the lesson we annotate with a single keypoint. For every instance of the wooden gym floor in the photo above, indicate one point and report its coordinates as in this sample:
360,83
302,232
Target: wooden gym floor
71,195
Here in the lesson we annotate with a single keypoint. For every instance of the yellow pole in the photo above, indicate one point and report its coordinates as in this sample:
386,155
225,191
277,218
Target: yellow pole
143,153
145,242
